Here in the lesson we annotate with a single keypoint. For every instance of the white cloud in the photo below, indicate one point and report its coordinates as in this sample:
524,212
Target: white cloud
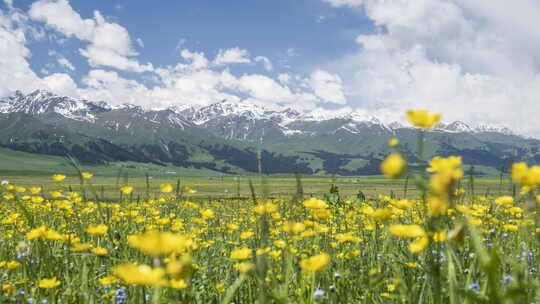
470,60
291,52
9,3
284,78
196,81
233,55
63,61
60,16
352,3
15,70
198,60
60,83
266,62
328,87
110,44
140,42
264,88
107,57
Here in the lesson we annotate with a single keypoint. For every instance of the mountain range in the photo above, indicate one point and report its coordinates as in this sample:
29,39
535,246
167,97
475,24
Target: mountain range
226,137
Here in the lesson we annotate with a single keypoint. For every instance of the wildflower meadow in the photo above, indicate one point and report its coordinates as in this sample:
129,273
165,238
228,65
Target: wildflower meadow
447,245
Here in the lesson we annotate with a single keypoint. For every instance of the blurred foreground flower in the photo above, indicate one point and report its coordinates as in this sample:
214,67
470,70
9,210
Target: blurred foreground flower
393,166
422,118
316,262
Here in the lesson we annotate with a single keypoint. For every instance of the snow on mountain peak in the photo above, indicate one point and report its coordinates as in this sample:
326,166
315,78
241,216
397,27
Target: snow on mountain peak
42,102
456,126
228,108
488,128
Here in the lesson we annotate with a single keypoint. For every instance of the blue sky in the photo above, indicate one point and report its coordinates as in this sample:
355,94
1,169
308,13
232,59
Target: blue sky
474,61
295,35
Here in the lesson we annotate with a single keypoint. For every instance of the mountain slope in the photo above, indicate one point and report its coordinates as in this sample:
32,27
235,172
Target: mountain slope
226,136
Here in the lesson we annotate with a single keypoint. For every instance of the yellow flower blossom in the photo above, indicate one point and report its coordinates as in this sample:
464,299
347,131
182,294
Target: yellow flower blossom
166,188
437,206
140,274
407,231
266,208
48,283
86,175
160,243
241,254
58,177
393,166
108,281
178,284
12,265
100,229
315,203
393,142
315,263
207,213
422,118
419,245
126,190
99,251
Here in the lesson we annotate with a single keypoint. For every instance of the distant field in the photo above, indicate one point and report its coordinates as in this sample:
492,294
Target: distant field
229,186
31,169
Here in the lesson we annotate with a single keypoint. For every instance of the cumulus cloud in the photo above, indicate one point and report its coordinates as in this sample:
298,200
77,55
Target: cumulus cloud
467,59
110,43
328,87
15,70
197,60
233,55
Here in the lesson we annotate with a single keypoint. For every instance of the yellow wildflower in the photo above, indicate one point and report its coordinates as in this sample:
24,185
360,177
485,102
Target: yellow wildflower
422,118
437,206
99,251
265,208
505,201
315,203
86,175
35,190
160,243
48,283
419,244
439,236
58,177
393,166
166,188
12,265
220,287
178,284
407,231
315,263
393,142
510,227
140,274
107,281
100,229
126,190
241,254
207,213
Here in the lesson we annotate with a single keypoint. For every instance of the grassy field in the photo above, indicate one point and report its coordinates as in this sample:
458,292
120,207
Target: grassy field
148,236
238,186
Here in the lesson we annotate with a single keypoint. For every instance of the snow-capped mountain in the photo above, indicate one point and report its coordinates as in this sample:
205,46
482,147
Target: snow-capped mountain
42,102
229,119
225,136
493,129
